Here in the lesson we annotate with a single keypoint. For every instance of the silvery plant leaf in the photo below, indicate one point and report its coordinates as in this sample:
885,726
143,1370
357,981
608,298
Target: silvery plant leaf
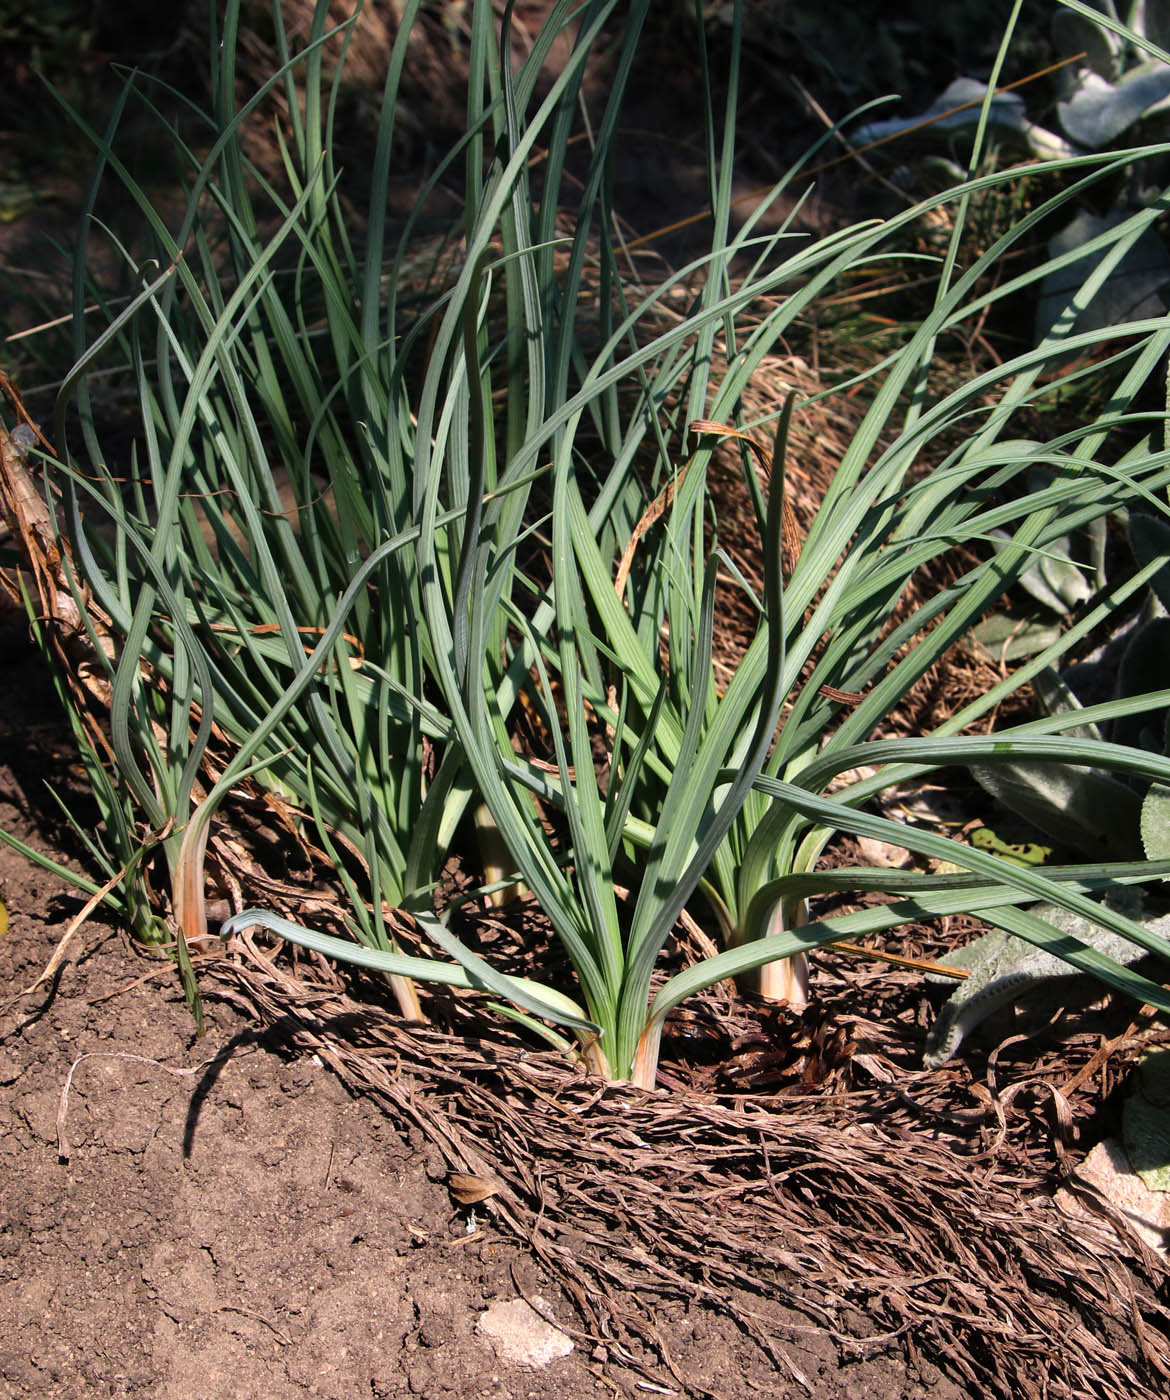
1149,538
1007,118
1146,1121
1056,697
1136,290
1090,811
1055,580
1099,111
1155,822
1000,638
1002,969
1075,33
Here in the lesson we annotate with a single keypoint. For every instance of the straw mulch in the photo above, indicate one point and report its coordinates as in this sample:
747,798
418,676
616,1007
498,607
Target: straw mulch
881,1214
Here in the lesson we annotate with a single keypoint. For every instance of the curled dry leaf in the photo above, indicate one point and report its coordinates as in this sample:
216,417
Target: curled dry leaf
468,1189
47,559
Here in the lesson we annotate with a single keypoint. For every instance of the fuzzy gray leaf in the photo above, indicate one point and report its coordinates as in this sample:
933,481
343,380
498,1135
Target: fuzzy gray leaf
1079,807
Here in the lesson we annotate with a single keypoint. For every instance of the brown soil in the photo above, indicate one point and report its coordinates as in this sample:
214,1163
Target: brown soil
229,1222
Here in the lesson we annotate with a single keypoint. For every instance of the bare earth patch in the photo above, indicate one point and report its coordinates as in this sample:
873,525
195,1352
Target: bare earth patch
229,1222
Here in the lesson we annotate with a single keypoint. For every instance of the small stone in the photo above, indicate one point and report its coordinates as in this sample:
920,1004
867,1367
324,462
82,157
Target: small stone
520,1335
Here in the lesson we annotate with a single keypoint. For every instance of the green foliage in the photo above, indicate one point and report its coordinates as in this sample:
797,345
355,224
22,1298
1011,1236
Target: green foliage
47,33
364,659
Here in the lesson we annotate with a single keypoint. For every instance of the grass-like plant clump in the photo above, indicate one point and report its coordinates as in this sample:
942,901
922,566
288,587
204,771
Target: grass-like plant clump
389,495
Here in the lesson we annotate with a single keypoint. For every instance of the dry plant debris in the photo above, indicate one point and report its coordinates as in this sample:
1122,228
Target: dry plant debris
845,1212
